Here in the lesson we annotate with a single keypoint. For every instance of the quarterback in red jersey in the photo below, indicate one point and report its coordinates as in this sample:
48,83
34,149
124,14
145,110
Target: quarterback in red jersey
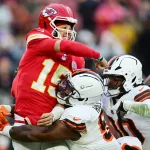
51,52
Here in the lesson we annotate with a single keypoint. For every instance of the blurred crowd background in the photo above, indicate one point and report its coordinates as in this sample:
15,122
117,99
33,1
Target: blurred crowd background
112,27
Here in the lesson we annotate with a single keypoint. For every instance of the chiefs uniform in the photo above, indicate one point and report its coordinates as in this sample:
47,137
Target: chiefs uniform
131,123
94,132
39,71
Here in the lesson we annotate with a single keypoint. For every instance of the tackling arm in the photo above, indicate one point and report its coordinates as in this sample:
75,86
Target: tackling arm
56,132
48,118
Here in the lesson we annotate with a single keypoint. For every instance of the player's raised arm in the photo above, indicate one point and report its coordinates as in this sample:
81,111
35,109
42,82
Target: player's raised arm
56,34
79,49
140,108
28,133
50,46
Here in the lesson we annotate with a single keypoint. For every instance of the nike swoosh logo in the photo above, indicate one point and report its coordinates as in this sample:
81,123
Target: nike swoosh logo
141,89
76,119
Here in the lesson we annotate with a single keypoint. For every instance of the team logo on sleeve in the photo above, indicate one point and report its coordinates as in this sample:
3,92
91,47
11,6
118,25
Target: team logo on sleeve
76,119
47,12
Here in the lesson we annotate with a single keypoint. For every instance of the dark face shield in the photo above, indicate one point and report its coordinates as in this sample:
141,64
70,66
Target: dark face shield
113,81
65,90
114,85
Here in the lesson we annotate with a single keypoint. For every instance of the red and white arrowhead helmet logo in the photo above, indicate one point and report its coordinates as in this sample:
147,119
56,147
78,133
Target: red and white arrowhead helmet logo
47,12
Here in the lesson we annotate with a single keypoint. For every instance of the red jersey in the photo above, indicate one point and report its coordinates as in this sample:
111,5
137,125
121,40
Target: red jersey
38,74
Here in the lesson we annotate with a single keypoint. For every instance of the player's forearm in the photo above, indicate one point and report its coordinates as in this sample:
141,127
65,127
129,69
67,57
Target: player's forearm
78,49
137,107
51,46
29,133
57,111
65,46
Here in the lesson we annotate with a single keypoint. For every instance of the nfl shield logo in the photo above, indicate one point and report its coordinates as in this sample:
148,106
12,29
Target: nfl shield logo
74,66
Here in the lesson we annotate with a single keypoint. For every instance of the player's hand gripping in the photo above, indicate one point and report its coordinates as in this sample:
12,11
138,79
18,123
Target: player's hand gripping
100,63
46,119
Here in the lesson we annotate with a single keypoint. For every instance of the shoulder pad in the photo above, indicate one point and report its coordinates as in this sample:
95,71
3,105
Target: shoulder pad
37,33
80,114
143,93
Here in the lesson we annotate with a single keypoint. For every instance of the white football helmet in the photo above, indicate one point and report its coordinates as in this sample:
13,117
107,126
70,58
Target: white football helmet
125,71
84,87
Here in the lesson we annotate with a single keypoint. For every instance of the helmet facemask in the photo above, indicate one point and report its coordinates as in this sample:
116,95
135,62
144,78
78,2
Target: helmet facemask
56,33
82,88
65,90
114,85
128,67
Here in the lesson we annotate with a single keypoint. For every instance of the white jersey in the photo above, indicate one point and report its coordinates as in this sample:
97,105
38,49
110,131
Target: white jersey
90,123
132,123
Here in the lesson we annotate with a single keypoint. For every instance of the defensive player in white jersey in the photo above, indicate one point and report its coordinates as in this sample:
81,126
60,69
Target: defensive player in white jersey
128,107
82,124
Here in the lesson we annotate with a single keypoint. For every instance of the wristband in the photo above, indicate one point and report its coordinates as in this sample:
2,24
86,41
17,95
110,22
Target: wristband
57,112
6,131
100,58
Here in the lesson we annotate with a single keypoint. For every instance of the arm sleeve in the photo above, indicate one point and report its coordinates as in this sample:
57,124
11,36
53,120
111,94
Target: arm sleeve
78,49
141,108
46,46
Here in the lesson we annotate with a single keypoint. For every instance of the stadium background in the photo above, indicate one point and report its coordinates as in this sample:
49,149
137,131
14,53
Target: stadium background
112,27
